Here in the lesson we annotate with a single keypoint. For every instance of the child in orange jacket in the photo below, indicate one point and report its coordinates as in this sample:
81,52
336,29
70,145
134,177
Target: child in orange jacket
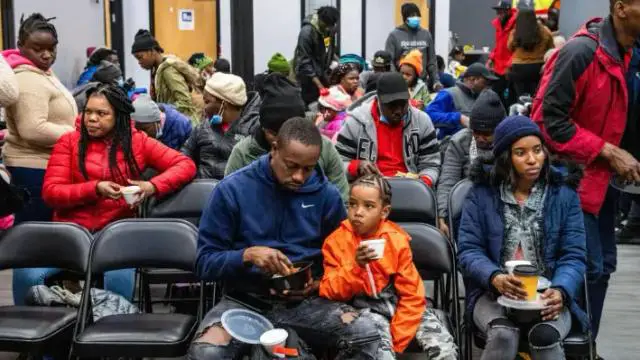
390,287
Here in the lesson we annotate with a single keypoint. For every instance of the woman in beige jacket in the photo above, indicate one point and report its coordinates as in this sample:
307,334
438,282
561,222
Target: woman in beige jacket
8,84
44,111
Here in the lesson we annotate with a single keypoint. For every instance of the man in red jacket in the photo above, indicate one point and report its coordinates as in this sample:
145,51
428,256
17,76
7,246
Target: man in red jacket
500,57
581,105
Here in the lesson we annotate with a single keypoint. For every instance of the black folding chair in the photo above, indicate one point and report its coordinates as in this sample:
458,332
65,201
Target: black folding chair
435,259
187,204
412,201
41,330
166,243
457,197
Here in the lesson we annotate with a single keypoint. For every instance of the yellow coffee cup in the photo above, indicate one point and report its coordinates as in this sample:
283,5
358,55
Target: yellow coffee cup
528,275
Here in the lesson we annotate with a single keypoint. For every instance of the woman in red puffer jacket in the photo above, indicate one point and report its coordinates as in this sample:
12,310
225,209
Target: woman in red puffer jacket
89,167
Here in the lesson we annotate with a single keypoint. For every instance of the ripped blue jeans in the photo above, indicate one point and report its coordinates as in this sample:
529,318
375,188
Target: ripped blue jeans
319,322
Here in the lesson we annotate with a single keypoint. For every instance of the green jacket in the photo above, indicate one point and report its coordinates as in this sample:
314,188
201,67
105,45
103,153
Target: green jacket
173,83
248,150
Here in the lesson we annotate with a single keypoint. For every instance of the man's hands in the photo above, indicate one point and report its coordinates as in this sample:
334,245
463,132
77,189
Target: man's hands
464,120
554,304
623,163
509,286
442,224
364,255
269,260
310,288
366,168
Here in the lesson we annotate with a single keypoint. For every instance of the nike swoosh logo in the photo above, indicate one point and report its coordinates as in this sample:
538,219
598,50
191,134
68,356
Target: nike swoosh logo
307,206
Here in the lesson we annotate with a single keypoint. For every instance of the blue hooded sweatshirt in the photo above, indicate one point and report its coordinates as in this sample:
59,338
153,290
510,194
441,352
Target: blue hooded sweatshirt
250,208
176,129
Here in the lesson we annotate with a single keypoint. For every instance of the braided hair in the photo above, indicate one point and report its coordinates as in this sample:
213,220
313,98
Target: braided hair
341,71
378,182
34,23
121,139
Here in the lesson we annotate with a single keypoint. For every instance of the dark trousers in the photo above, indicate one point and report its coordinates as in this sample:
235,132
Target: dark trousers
31,179
500,86
525,78
601,254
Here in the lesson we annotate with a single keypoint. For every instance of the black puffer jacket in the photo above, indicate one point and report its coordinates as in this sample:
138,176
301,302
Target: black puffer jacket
312,58
210,147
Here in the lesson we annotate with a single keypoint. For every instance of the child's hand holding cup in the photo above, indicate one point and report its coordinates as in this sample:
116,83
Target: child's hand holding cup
370,250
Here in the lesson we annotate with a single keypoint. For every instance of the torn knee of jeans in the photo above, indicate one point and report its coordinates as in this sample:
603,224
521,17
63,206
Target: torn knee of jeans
503,323
214,335
348,317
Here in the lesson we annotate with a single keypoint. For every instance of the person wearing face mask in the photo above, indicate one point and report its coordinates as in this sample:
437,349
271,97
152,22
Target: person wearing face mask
467,145
312,56
451,108
385,135
230,115
410,35
161,121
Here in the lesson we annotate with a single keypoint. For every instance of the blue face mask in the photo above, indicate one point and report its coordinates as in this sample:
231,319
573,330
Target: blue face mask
413,22
217,118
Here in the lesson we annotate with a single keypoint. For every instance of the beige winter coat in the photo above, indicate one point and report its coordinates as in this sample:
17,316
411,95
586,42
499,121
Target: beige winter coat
8,84
44,111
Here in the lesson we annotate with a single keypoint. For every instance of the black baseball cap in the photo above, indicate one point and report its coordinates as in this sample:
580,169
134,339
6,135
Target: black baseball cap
381,58
504,5
478,69
392,87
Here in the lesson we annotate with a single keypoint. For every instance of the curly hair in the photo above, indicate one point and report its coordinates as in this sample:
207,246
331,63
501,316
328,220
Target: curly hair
341,71
378,182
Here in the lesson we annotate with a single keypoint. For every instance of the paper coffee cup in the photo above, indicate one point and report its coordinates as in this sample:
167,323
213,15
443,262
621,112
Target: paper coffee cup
377,245
486,49
131,194
528,275
511,264
272,338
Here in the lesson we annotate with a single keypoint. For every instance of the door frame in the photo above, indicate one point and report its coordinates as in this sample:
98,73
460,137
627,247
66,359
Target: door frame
152,25
8,40
114,29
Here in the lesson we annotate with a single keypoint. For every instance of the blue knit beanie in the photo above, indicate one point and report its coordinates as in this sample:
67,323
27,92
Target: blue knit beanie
511,130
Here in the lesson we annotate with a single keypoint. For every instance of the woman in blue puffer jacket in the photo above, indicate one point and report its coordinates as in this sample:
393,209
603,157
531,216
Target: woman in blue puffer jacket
522,208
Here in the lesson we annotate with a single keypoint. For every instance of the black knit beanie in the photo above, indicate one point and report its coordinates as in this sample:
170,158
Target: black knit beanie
281,100
144,41
487,112
408,9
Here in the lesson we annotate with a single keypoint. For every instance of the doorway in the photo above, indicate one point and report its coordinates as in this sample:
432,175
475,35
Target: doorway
184,27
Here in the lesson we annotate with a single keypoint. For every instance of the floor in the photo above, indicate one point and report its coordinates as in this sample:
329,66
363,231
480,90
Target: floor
620,327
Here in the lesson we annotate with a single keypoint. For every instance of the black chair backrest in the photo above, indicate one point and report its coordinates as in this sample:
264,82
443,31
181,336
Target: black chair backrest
138,243
412,201
457,198
46,244
187,204
432,252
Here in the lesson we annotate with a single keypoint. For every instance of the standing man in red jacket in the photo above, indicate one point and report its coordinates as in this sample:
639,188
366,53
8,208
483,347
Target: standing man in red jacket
581,105
500,57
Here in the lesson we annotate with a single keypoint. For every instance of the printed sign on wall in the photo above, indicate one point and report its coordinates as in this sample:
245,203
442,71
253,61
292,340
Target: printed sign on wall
186,20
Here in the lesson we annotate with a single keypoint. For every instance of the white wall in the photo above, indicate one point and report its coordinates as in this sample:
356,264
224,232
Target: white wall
380,22
225,28
571,21
442,29
351,27
271,36
136,16
70,17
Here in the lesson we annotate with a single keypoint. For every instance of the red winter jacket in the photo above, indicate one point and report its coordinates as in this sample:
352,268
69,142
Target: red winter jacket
501,55
74,198
582,103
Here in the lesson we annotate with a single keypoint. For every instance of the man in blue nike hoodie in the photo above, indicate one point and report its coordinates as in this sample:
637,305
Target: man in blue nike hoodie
260,220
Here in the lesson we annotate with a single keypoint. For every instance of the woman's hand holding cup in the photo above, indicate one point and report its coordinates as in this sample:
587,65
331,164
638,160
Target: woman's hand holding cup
509,286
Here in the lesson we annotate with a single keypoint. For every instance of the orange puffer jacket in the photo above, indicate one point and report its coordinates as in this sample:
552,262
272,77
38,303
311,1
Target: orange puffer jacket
74,198
344,279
